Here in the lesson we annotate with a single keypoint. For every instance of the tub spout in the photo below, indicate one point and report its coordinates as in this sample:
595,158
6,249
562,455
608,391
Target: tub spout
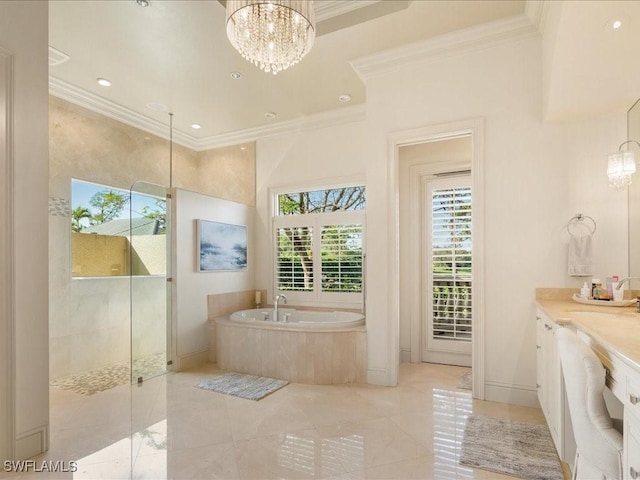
276,304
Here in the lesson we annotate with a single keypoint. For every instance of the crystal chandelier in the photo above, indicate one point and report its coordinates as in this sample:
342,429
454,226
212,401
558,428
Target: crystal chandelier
272,34
620,166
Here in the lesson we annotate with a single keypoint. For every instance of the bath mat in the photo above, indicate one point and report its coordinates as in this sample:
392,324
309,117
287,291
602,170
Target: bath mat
511,448
465,381
250,387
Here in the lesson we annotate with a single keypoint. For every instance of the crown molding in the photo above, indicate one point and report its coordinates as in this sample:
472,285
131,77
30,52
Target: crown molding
56,57
331,118
90,101
462,41
78,96
333,8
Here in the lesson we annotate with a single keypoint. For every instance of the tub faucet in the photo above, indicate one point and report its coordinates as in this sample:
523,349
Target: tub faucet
275,306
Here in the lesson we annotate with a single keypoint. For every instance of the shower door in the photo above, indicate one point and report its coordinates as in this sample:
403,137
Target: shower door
149,255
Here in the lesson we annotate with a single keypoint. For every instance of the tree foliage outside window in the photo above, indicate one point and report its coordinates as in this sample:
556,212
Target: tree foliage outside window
339,265
322,201
107,204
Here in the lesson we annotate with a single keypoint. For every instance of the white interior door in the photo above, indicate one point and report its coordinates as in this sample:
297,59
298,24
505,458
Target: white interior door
447,270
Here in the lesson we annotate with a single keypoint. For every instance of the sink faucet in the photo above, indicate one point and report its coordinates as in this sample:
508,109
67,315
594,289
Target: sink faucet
628,279
275,306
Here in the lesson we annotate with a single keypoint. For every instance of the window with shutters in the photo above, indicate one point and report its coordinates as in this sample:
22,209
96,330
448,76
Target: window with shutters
451,263
319,245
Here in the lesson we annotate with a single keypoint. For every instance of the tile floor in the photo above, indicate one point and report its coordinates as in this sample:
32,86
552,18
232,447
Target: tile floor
412,431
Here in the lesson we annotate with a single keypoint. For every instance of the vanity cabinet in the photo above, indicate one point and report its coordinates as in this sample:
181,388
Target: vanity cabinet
632,430
550,386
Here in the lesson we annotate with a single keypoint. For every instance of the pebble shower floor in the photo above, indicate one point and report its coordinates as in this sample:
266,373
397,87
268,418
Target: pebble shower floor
104,378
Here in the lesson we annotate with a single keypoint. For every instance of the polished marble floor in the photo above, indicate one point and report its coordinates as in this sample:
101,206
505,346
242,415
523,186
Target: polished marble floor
412,431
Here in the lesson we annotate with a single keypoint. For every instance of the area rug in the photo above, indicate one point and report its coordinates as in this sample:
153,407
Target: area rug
511,448
250,387
465,381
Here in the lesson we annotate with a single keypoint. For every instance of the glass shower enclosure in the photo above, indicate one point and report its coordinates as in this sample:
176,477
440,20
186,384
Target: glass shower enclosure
149,257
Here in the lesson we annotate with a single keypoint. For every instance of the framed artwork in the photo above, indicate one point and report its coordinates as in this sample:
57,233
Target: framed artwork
221,246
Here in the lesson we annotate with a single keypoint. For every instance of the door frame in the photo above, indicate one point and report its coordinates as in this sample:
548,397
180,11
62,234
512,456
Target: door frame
475,128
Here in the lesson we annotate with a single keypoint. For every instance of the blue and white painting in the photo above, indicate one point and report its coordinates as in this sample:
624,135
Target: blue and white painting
221,246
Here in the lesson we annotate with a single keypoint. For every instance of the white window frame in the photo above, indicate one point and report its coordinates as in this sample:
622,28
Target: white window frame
317,221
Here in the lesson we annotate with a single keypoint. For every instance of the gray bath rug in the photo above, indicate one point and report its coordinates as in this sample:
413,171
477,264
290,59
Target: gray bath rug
511,448
465,381
250,387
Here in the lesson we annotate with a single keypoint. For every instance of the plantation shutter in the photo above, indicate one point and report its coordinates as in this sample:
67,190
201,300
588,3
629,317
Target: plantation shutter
294,248
451,263
341,247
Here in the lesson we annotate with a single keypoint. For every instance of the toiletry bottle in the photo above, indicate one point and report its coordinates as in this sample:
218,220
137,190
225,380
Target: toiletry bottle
611,283
585,291
594,284
601,292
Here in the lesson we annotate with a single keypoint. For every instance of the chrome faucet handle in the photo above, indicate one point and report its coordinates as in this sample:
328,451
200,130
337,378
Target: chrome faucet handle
286,317
266,316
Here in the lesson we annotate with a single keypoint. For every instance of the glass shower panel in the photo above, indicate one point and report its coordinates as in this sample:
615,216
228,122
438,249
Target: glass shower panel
149,250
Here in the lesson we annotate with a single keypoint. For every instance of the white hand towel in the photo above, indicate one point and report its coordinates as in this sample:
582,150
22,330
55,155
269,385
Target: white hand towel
580,264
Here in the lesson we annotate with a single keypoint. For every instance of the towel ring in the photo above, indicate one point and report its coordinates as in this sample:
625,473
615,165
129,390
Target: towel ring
578,219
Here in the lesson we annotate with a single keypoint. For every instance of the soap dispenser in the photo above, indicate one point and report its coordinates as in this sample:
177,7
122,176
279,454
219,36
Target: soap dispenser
585,291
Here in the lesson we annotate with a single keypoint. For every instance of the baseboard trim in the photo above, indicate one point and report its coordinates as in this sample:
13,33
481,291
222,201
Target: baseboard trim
378,376
32,443
191,360
405,355
512,394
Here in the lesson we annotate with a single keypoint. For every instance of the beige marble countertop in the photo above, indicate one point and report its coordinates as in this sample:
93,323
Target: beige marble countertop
617,330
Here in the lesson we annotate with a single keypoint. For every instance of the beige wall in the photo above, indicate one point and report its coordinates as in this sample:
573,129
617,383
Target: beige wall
88,146
99,255
108,255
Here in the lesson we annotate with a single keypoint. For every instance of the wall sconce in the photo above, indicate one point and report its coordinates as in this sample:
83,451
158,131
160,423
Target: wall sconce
620,166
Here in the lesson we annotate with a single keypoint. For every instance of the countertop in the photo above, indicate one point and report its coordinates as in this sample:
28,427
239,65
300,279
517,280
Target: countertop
619,334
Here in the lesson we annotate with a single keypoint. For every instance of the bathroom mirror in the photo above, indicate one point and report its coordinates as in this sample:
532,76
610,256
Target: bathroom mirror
633,133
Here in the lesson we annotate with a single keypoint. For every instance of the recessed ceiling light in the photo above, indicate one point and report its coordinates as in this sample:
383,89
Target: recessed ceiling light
616,24
345,98
156,106
195,126
143,3
104,82
235,75
243,148
270,115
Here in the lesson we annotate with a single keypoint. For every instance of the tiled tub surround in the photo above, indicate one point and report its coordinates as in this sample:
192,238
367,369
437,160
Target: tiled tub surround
270,349
224,304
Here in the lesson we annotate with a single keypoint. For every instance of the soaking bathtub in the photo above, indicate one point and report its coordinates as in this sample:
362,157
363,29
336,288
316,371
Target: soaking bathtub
305,346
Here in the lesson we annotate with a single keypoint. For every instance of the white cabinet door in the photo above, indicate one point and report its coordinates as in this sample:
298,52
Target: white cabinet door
631,446
549,380
540,360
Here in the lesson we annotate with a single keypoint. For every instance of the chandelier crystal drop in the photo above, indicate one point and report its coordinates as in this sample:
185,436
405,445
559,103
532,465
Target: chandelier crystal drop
272,34
621,165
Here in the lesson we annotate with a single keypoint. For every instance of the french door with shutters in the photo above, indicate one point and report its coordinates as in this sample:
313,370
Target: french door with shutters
447,270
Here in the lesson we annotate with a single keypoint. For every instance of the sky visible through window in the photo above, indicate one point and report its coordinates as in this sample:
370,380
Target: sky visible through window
81,193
